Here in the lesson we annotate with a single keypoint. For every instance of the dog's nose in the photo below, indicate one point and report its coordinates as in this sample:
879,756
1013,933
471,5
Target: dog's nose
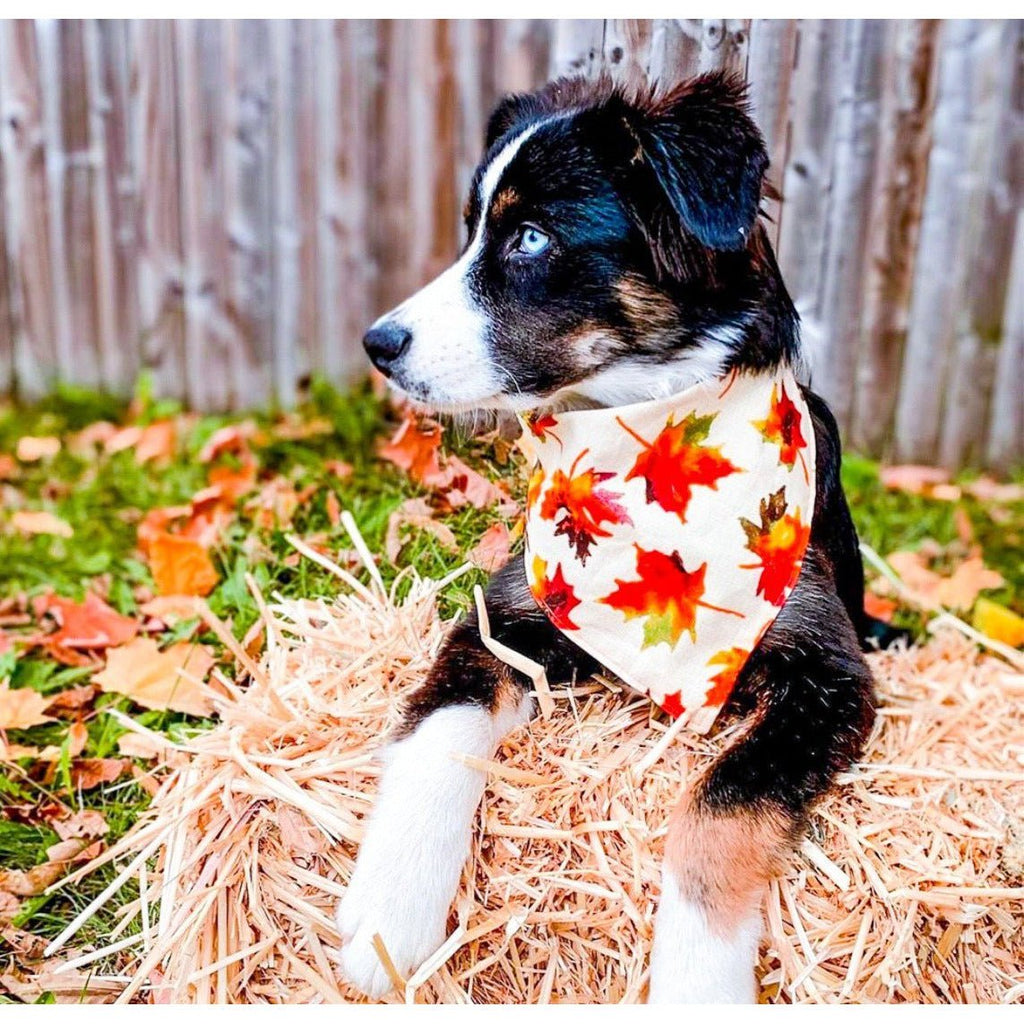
384,343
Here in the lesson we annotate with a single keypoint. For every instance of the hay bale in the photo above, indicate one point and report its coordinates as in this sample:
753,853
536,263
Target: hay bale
905,889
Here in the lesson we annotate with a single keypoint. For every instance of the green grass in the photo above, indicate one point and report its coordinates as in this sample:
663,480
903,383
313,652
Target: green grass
104,498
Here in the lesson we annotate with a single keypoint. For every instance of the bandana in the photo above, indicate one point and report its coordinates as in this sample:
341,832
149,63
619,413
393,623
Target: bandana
663,538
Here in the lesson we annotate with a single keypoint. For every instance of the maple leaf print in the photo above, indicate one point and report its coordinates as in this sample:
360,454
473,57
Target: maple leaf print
583,505
534,486
556,596
672,705
779,542
782,427
667,595
542,426
675,462
731,661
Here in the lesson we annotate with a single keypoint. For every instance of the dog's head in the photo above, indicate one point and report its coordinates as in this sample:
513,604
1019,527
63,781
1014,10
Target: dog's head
614,254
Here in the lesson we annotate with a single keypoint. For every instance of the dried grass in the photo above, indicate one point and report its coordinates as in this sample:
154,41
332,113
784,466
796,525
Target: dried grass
908,887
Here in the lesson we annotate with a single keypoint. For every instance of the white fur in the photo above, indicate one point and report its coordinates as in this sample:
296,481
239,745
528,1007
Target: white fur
692,964
447,362
629,381
417,839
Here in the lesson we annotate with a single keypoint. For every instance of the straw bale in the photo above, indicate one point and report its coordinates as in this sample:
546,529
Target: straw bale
908,886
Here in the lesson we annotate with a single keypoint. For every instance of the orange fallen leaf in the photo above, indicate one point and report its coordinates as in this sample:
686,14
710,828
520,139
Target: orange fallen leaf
82,825
33,449
155,441
957,591
40,522
493,550
415,513
33,881
414,447
169,679
234,437
333,508
181,565
987,489
88,625
879,607
170,609
73,700
21,708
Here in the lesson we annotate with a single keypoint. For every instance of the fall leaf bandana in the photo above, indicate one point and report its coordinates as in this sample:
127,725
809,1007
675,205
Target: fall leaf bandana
664,537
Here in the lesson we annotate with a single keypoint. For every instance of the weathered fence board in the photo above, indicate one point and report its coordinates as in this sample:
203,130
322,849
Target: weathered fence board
228,204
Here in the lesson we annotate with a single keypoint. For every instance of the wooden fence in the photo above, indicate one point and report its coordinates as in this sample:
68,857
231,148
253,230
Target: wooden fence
229,204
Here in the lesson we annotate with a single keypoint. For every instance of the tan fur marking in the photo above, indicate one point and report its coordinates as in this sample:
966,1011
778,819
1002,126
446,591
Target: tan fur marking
647,308
723,861
505,199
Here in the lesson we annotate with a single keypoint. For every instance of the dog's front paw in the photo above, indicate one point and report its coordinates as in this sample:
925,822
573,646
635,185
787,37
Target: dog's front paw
410,924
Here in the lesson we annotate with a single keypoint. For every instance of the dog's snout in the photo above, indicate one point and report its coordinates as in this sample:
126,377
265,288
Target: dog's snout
385,343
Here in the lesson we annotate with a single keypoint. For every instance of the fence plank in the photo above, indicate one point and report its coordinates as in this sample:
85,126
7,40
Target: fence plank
34,342
908,95
836,321
577,48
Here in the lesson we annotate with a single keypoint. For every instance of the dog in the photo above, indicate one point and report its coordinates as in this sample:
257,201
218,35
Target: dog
616,255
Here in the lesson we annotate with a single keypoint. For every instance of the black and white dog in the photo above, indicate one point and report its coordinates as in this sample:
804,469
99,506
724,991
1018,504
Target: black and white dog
615,254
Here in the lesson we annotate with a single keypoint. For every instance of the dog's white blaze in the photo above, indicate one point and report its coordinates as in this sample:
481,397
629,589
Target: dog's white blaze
692,964
447,362
416,842
628,381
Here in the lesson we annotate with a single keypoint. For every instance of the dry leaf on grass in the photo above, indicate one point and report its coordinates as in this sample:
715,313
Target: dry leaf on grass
90,772
415,512
957,591
880,607
159,679
33,449
82,825
171,608
34,523
89,625
155,441
414,447
73,700
22,708
181,566
33,881
78,736
493,550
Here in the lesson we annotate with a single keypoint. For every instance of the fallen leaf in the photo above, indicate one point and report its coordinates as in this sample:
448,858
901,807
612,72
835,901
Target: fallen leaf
82,825
181,565
463,485
33,881
493,550
275,504
932,590
8,467
78,736
40,522
9,907
998,623
987,489
89,625
90,772
73,851
155,679
912,479
88,439
235,437
333,508
171,608
73,700
156,442
415,513
879,607
414,447
21,708
342,470
142,745
32,449
231,484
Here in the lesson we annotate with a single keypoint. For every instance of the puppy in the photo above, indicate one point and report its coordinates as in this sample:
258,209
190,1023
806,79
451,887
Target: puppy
616,256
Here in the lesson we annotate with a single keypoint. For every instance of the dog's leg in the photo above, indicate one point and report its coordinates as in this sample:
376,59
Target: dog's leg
810,693
419,832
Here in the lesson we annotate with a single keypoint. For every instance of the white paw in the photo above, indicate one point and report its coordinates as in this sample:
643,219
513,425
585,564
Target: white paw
691,963
409,926
416,842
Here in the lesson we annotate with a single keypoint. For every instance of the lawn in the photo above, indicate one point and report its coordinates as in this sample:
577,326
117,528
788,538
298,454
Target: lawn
137,503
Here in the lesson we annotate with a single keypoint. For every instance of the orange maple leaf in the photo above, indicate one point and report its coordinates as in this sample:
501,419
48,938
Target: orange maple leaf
667,595
675,462
782,427
556,596
542,425
584,505
732,661
414,448
181,565
779,542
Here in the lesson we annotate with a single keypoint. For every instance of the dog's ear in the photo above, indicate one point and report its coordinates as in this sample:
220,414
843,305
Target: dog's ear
697,158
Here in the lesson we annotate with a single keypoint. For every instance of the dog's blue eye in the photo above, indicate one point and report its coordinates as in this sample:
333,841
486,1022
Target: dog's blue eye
533,241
